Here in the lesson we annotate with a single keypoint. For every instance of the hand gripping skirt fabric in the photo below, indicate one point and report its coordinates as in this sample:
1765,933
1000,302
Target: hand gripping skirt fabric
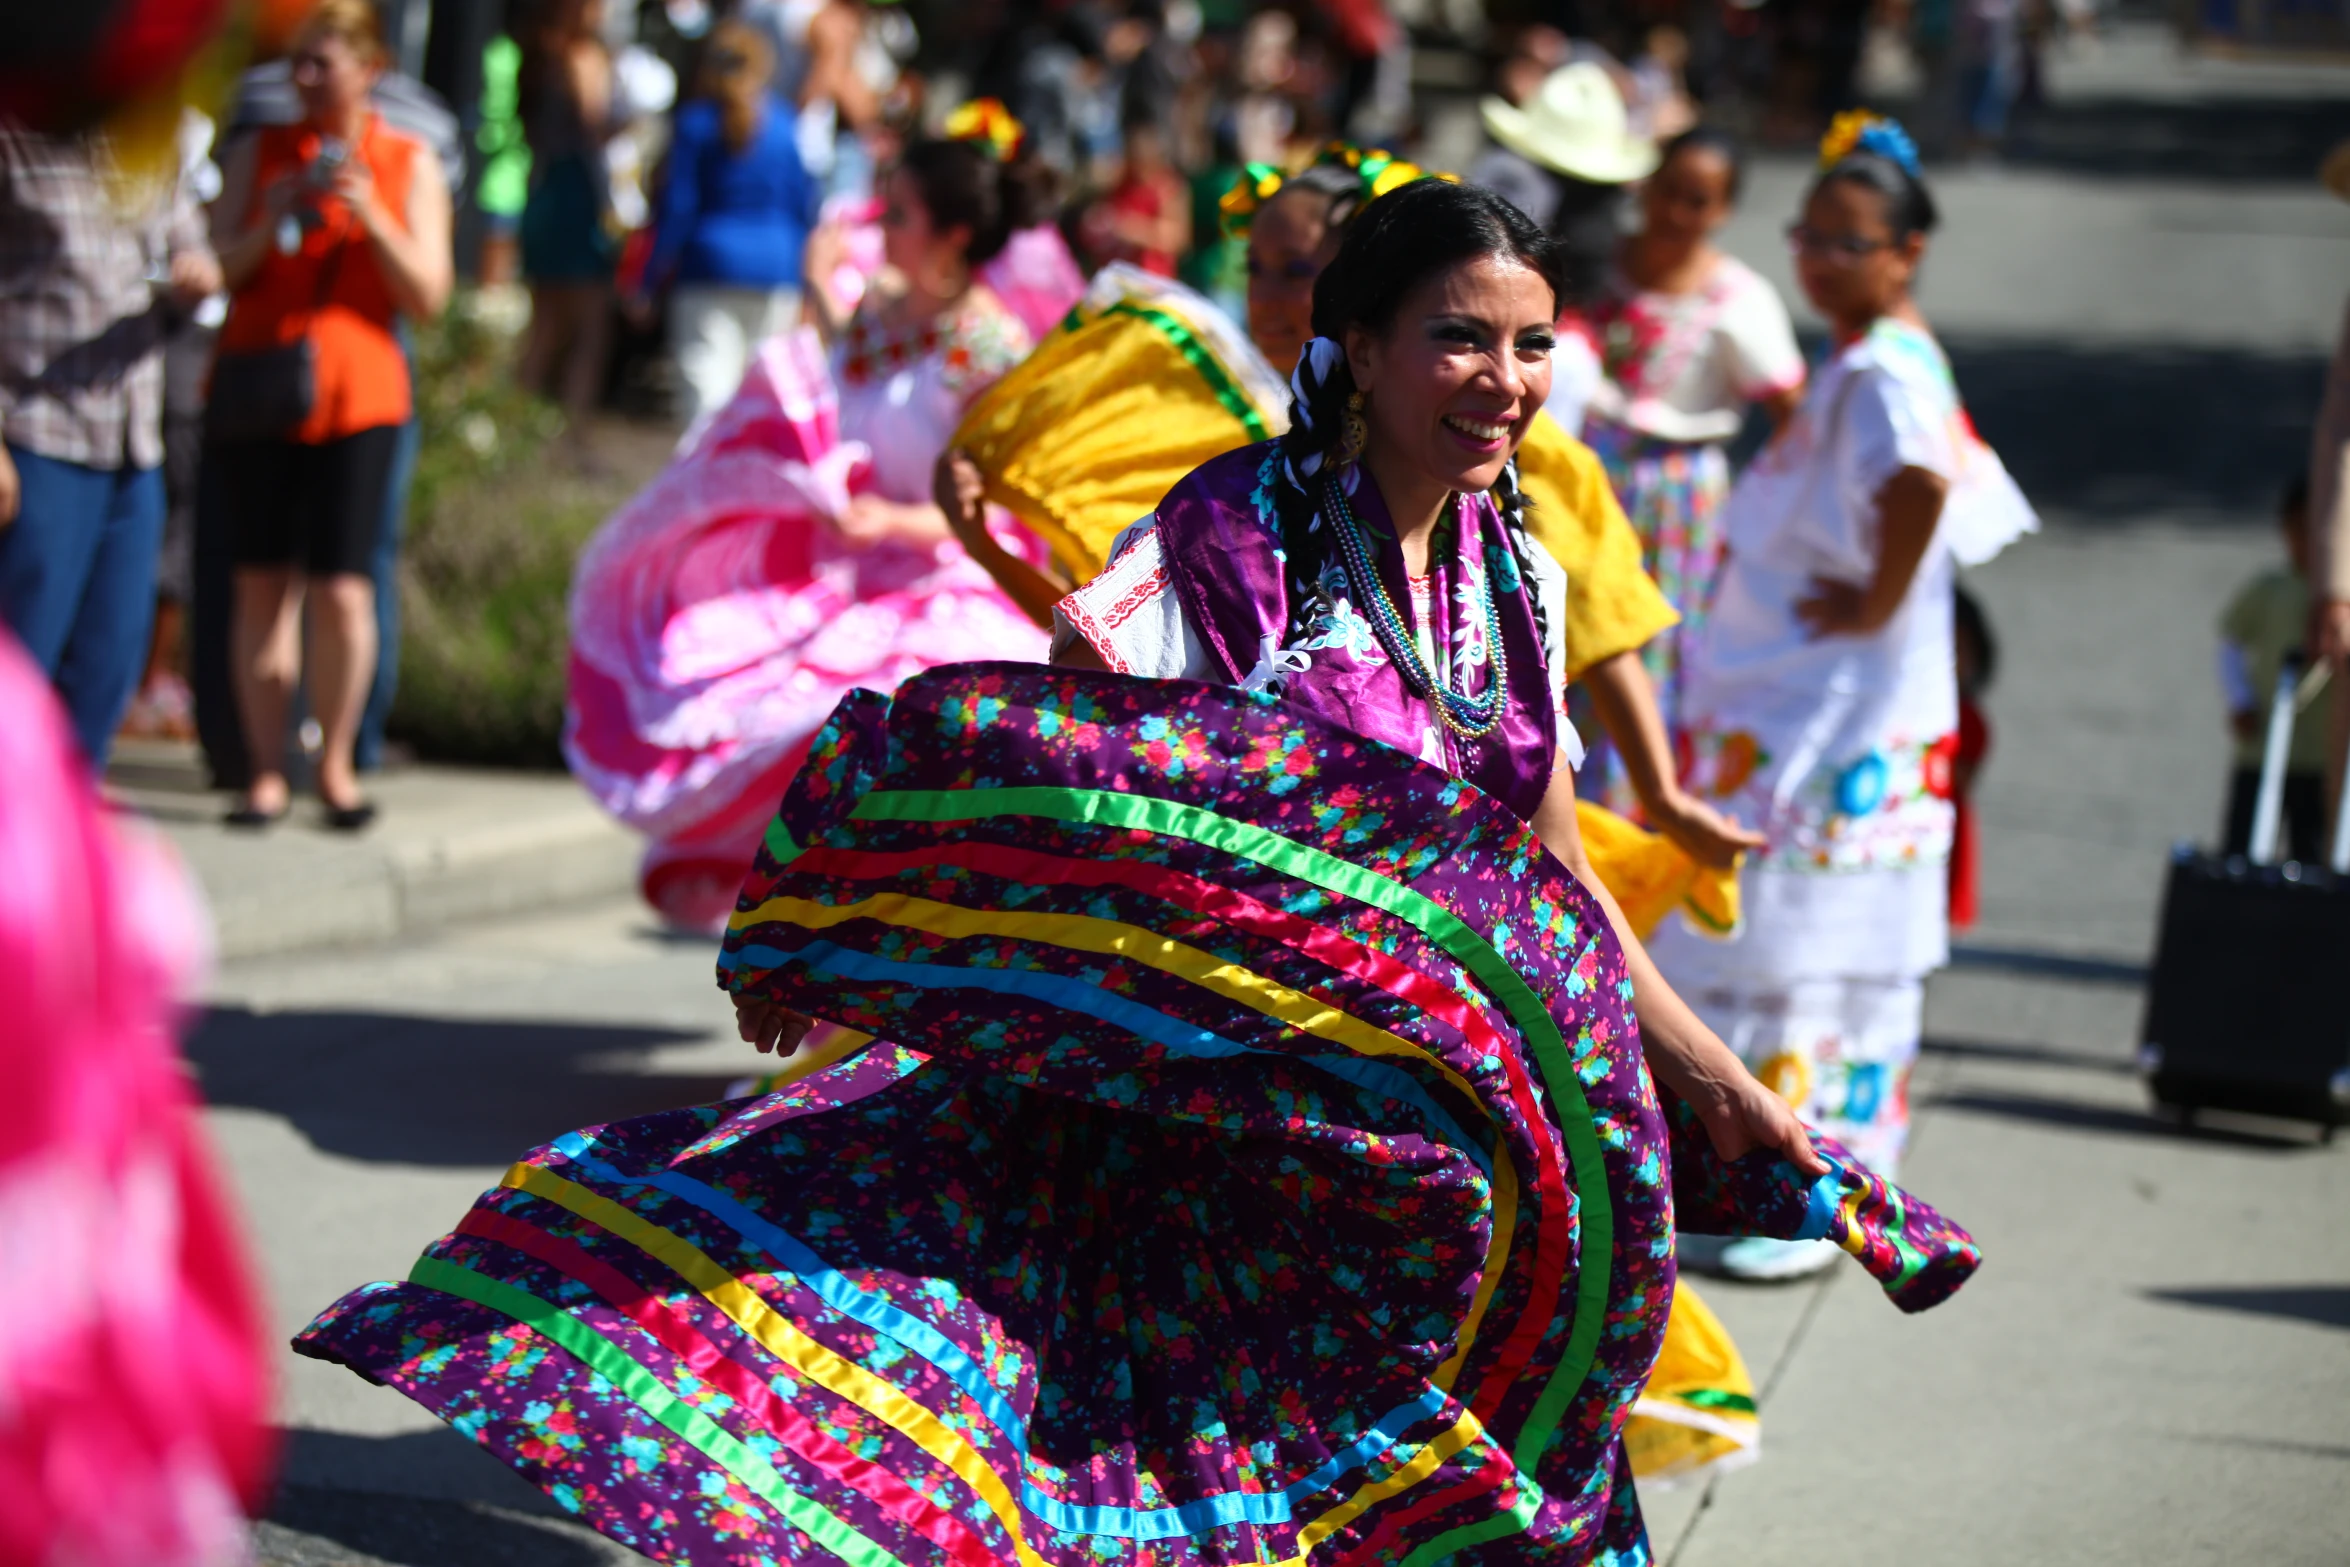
1256,1164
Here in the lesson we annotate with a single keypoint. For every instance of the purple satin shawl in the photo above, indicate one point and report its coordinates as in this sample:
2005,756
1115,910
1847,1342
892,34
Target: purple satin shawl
1221,542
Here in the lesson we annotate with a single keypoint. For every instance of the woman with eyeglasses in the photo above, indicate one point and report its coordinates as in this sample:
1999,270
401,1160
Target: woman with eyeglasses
1821,698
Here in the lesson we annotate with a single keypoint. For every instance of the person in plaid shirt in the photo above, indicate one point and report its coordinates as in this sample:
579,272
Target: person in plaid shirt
89,269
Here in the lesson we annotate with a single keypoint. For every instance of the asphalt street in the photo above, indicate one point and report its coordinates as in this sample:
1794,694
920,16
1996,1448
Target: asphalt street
2153,1366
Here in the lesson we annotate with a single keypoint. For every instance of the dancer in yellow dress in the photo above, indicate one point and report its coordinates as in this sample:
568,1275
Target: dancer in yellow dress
1145,380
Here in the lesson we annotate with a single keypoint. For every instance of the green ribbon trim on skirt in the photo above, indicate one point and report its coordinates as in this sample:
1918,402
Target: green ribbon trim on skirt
1714,1398
616,1366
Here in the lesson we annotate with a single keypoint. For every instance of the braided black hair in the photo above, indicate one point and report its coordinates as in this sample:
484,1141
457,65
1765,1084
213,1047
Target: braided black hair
1392,246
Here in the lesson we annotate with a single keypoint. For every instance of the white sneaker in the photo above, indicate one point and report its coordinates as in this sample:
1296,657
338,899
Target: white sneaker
1759,1260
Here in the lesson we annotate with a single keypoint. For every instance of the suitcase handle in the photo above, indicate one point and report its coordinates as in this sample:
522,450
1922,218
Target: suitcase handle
2268,805
2338,851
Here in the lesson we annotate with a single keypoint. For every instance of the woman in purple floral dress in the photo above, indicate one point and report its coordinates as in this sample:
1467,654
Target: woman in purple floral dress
1234,1137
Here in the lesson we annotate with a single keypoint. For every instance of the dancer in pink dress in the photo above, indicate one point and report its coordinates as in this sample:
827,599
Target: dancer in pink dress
791,551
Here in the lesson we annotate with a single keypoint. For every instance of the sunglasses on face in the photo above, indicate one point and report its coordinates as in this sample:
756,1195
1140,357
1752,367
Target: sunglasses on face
1807,241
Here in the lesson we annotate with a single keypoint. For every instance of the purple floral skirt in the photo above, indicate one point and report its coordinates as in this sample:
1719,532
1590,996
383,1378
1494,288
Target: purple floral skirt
1257,1165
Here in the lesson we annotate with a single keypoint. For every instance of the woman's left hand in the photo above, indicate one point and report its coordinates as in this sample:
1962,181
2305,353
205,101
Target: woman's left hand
960,490
770,1025
1835,608
355,184
1740,1115
1909,506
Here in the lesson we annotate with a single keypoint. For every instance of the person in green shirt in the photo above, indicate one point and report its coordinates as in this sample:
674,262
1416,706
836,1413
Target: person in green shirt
2263,625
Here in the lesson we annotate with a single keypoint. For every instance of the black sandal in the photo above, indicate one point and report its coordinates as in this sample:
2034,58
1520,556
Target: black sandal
246,815
350,818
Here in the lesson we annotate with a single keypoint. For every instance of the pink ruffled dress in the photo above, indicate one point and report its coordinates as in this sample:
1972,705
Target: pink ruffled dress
134,1382
719,616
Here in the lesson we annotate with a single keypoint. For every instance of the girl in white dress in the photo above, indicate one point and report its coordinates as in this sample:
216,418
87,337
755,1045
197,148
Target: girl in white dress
1821,698
1689,336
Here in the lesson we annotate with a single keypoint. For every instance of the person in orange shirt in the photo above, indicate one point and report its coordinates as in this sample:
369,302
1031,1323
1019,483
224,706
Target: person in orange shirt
327,230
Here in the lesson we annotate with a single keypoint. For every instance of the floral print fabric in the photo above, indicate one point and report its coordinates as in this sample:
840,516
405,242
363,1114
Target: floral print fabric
1258,1165
1672,494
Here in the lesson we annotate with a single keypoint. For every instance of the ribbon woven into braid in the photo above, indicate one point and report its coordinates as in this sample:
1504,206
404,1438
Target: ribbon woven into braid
1256,1164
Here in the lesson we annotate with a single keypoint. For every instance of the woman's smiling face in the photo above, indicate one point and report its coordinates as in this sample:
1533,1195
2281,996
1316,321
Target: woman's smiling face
1452,383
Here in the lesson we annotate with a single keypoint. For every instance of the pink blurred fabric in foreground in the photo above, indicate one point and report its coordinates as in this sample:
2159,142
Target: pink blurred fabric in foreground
133,1392
1036,278
719,616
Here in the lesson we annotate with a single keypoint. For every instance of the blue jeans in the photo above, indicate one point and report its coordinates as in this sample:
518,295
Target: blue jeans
368,751
77,583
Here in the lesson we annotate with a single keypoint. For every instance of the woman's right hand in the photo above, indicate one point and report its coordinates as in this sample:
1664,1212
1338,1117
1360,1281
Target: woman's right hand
770,1025
960,490
1708,836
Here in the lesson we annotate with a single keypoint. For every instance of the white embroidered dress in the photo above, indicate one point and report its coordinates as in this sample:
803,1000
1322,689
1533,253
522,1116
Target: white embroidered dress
1838,748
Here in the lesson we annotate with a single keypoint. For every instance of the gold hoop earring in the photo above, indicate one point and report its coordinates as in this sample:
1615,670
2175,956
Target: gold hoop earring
1353,432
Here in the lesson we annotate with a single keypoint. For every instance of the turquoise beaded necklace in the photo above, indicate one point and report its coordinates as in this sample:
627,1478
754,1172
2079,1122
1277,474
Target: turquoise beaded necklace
1472,718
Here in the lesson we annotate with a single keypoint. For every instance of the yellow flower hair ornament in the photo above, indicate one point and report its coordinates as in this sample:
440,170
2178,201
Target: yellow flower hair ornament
988,124
1857,130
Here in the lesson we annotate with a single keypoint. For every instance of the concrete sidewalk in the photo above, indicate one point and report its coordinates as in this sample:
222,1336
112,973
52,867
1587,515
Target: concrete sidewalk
450,845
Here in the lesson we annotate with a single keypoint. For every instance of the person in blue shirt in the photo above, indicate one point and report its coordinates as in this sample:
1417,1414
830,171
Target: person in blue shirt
734,218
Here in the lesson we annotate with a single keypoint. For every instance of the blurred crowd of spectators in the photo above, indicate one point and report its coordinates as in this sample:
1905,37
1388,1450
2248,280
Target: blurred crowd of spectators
1143,112
661,175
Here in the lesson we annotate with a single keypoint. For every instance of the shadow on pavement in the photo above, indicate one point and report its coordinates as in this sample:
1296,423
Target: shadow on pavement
2075,1115
2112,434
2327,1305
2046,965
429,1090
426,1498
2028,1055
320,1528
2234,139
2267,1444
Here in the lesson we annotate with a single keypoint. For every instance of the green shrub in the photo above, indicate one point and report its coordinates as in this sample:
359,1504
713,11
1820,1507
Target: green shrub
495,522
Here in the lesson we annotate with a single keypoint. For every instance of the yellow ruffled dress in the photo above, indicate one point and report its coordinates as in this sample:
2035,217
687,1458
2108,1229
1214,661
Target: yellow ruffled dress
1143,382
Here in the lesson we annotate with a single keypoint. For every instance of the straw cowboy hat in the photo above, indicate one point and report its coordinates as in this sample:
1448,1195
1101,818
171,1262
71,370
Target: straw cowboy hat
1575,126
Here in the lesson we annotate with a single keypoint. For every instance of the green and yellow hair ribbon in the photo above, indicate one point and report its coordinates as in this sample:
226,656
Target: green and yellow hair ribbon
1379,170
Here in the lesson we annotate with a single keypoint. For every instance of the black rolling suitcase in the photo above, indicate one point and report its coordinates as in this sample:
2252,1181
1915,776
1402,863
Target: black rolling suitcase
2248,1007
